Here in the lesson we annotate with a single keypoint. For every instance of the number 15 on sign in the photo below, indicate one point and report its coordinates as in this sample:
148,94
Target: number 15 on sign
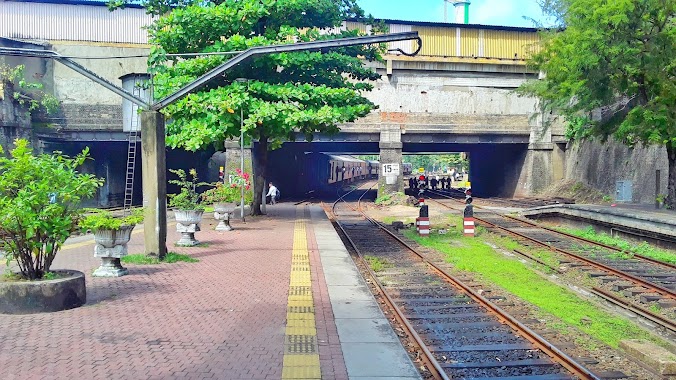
390,169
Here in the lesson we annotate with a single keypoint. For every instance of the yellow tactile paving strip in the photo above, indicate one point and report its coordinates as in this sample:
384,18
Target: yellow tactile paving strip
301,354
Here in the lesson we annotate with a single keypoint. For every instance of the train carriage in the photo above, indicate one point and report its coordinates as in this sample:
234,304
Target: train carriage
326,172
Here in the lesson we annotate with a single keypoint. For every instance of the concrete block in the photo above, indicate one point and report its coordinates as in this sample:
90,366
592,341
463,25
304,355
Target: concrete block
381,360
357,309
357,330
655,357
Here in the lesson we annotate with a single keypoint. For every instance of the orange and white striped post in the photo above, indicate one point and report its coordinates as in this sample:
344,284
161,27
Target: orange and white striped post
424,226
468,218
423,221
468,226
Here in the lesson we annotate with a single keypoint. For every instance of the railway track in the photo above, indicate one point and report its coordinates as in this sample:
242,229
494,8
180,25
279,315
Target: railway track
637,277
460,333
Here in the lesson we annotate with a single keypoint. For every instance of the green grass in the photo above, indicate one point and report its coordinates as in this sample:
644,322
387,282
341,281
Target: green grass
474,255
170,258
643,248
376,263
383,199
390,219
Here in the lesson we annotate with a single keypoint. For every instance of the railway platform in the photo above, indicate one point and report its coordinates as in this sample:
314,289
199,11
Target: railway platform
276,298
623,218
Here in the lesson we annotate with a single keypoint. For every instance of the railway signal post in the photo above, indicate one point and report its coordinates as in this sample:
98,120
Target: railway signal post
468,218
422,222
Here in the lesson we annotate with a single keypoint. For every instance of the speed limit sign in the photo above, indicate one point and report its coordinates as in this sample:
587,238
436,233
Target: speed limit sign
390,169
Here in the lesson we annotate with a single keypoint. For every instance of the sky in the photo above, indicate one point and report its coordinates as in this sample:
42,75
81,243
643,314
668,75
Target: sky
486,12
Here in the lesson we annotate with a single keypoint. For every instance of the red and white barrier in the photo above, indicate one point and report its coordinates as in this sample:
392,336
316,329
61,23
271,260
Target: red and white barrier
421,202
423,226
468,226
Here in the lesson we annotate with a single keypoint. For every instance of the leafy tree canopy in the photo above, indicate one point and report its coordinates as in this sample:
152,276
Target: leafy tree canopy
612,71
437,162
284,94
308,92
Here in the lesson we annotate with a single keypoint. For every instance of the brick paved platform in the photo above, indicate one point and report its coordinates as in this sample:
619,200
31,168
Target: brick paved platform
224,317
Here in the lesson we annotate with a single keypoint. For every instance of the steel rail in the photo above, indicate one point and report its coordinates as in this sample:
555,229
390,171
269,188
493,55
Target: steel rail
639,311
610,247
645,313
647,284
430,362
538,341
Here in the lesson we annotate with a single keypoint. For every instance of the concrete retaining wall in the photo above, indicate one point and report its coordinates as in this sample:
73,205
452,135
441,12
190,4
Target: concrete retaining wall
601,165
14,120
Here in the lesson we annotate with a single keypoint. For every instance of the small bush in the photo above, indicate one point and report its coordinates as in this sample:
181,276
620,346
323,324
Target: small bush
40,199
104,220
187,198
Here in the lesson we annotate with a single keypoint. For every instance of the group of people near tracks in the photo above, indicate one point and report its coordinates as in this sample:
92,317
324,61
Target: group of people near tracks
429,182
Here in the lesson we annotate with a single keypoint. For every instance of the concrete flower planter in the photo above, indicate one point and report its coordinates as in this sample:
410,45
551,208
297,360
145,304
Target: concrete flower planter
222,213
28,297
111,245
187,223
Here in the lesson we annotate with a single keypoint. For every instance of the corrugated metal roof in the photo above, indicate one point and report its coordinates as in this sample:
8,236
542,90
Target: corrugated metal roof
100,3
70,22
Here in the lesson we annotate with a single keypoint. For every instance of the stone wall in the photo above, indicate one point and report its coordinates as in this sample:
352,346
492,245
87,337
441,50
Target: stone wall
600,165
14,119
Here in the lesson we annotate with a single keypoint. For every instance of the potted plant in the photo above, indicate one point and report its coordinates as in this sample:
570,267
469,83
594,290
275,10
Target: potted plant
225,197
39,209
187,209
111,235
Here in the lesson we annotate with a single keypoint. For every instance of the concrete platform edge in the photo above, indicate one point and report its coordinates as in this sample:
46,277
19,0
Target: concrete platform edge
380,353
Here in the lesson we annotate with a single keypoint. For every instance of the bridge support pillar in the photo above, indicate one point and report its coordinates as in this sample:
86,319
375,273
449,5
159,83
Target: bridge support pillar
234,161
539,170
233,157
390,153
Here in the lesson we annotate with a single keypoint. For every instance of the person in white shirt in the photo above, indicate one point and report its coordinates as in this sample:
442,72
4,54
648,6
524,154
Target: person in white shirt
273,193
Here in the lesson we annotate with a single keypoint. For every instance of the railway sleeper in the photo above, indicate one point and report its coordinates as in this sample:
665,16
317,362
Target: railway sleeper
460,301
514,363
512,373
635,292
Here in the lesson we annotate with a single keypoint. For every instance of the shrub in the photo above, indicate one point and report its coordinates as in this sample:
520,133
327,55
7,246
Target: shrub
231,192
104,220
187,198
39,205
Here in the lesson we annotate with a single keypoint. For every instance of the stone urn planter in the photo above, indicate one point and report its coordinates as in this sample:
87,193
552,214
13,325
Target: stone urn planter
27,297
111,245
223,213
187,223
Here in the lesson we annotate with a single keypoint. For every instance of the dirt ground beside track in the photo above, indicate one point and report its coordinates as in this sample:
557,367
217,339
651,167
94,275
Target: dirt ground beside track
406,214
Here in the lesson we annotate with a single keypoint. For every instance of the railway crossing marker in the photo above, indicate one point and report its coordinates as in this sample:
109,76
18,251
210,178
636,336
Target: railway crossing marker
422,222
468,218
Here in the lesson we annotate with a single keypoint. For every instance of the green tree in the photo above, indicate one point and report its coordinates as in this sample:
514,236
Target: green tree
612,72
286,94
39,205
436,161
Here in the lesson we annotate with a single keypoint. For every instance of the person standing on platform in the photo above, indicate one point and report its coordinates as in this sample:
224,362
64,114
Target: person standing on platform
273,193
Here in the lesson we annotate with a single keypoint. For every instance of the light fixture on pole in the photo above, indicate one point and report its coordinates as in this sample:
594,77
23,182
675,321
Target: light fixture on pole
241,145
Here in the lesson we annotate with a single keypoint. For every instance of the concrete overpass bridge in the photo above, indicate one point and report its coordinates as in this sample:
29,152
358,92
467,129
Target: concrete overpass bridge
456,95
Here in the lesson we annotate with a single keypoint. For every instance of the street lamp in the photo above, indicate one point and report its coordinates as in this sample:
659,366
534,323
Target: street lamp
241,151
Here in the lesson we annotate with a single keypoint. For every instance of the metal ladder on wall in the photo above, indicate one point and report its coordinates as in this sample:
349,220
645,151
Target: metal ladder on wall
133,139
